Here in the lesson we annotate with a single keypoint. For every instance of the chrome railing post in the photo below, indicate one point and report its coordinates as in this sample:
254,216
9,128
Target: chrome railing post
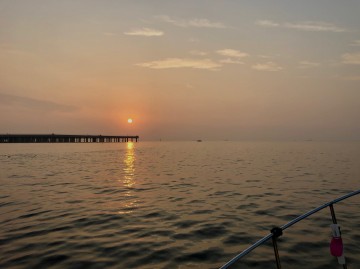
333,213
276,232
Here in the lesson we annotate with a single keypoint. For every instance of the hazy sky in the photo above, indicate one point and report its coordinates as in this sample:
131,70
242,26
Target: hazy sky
210,69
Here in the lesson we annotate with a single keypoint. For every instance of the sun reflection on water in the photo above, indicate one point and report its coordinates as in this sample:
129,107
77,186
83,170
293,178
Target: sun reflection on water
128,179
129,168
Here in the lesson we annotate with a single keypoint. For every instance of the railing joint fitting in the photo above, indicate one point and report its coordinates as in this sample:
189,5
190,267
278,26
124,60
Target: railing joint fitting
277,232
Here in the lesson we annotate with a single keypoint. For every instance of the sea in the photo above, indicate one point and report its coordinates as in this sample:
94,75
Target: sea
175,204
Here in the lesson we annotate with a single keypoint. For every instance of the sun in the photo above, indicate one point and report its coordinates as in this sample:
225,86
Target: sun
130,121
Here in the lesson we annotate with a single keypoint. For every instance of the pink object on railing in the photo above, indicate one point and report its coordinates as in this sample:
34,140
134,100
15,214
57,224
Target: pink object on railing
336,247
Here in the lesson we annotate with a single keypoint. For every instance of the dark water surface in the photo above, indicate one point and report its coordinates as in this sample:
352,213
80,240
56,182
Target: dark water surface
174,204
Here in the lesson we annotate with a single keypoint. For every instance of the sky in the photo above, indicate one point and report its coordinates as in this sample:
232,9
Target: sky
182,70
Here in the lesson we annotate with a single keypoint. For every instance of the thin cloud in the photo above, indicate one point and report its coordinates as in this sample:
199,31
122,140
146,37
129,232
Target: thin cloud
168,63
307,64
267,23
355,43
200,23
269,66
351,58
311,26
147,32
35,104
232,53
265,56
231,61
315,27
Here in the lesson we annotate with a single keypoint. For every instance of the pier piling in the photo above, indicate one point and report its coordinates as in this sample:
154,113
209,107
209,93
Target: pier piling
56,138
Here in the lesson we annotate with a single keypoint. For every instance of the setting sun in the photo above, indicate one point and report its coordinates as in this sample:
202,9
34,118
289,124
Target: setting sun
130,121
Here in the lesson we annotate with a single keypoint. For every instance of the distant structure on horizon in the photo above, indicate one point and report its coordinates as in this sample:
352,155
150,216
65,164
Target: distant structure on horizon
61,138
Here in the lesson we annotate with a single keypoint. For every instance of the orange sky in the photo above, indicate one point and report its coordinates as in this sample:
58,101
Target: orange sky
181,69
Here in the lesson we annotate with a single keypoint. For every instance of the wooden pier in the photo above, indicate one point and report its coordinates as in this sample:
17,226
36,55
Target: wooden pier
56,138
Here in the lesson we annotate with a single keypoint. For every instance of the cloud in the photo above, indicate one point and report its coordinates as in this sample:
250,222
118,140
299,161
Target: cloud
312,26
269,66
307,64
315,27
200,23
232,53
231,61
148,32
181,63
355,43
265,56
267,23
234,56
351,58
14,101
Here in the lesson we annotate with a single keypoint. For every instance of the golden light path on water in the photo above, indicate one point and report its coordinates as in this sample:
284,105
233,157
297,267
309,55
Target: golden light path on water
129,168
128,180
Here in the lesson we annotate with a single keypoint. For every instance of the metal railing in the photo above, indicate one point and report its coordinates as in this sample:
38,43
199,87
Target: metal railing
278,231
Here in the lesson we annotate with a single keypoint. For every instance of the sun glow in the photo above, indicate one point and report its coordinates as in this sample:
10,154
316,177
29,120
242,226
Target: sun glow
130,121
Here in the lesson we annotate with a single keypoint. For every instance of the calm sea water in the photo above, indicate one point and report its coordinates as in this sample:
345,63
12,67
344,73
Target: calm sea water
174,204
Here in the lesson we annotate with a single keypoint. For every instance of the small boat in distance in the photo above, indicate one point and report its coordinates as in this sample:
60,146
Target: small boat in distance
199,140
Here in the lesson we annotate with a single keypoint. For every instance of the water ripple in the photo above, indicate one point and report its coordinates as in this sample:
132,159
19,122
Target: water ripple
174,205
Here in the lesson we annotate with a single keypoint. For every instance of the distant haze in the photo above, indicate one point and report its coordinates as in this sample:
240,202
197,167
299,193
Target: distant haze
182,70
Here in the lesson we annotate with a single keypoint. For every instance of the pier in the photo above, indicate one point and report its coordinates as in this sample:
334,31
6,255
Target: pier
61,138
